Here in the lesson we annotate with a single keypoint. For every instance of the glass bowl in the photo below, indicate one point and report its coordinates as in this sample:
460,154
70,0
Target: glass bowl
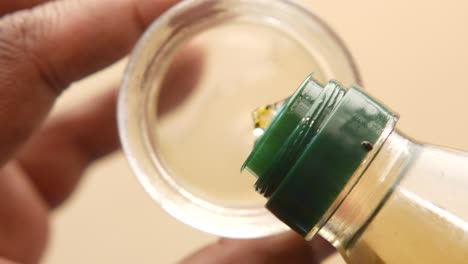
189,89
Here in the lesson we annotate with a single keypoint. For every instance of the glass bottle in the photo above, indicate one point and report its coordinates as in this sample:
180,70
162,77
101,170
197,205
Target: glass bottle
332,163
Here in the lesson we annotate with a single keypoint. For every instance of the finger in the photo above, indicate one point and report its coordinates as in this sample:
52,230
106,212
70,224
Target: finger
284,248
23,221
56,157
4,261
8,6
44,49
182,78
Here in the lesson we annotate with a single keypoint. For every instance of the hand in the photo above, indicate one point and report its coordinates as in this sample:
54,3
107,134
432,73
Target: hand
44,47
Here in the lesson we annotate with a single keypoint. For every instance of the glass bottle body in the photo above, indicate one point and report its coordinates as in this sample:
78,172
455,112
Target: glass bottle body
409,206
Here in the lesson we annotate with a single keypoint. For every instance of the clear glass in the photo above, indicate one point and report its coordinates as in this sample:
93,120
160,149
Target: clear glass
410,206
249,53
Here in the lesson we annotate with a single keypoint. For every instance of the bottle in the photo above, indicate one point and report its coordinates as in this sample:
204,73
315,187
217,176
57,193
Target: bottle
331,162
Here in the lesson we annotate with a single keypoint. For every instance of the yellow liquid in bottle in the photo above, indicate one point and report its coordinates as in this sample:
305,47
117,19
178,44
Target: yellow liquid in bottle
424,220
405,231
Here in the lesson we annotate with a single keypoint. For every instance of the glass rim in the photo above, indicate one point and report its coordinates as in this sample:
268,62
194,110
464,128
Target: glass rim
139,148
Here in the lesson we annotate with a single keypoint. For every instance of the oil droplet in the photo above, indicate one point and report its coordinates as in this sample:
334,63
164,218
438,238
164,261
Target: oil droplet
263,116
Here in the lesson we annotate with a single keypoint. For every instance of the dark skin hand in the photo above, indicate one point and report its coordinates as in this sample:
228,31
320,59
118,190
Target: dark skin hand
44,47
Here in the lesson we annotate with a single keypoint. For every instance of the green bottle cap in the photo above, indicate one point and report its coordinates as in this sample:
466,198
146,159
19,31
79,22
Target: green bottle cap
310,150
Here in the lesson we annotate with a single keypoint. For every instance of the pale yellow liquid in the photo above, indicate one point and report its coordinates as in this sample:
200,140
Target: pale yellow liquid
425,220
406,232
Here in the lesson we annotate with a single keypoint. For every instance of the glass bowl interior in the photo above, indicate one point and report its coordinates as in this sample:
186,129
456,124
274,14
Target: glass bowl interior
186,102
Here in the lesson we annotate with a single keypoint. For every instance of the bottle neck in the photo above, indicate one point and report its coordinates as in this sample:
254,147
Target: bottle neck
357,204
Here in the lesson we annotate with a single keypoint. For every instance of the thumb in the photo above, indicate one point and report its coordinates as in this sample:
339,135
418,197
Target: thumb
284,248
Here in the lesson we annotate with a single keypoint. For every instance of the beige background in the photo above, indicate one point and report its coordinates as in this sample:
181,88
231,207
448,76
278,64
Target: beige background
413,55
